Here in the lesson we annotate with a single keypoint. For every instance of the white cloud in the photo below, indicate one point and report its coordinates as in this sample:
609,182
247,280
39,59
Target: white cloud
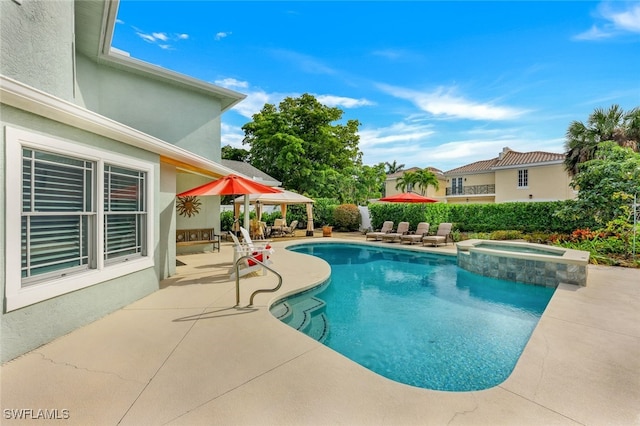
160,39
625,20
231,83
257,98
160,36
119,21
231,135
593,33
615,19
397,54
444,102
396,133
146,37
341,101
220,35
305,62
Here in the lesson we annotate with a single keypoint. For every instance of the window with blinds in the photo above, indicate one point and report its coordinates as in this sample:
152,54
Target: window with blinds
76,215
125,214
58,215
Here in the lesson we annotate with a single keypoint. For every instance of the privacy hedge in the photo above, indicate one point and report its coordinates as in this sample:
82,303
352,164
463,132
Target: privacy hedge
526,217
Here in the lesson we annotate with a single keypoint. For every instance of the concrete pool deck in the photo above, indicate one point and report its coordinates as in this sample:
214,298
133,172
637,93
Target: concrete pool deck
185,355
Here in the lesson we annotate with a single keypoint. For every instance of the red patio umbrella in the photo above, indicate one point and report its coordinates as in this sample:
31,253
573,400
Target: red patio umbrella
408,197
231,185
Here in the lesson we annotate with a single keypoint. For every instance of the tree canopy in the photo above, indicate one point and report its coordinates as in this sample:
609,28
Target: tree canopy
238,154
393,167
419,178
606,183
302,144
612,124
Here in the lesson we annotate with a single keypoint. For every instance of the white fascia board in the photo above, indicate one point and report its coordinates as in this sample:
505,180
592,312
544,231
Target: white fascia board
524,166
27,98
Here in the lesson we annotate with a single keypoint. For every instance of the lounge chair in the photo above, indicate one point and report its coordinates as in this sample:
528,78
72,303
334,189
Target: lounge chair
277,229
403,229
290,230
443,235
415,237
260,252
387,227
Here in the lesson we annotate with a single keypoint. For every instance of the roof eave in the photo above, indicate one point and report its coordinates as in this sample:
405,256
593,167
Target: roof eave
519,166
32,100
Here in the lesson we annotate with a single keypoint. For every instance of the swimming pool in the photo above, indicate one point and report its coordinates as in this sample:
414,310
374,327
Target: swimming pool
416,318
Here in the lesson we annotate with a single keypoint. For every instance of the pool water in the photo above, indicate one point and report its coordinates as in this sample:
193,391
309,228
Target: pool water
417,318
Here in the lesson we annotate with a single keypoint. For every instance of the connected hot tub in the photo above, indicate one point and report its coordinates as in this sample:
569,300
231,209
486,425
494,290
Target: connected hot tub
524,262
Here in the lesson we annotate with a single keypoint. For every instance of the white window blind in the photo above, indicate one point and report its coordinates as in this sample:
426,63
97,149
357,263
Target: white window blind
58,214
125,217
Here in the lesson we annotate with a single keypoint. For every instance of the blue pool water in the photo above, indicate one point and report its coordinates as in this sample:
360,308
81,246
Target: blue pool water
417,318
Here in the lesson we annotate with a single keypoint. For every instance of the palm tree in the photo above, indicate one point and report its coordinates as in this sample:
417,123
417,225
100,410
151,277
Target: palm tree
407,181
603,125
394,167
424,178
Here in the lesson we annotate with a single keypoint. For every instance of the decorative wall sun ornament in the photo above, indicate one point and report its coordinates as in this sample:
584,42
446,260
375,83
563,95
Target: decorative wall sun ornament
188,206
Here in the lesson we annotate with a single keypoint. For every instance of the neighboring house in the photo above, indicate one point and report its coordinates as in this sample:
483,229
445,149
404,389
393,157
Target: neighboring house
392,181
247,169
512,176
95,145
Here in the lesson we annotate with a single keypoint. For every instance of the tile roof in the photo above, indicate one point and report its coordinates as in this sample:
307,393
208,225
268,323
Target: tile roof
509,158
478,166
513,158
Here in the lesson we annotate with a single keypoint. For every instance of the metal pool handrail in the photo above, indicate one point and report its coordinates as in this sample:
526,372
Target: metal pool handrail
237,268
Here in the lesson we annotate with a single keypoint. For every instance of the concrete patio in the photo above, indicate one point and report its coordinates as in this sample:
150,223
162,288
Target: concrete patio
185,355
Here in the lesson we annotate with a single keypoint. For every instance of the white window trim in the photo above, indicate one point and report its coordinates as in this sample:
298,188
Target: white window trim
518,178
17,296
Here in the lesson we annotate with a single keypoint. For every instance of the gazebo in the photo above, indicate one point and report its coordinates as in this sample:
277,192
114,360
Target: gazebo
283,199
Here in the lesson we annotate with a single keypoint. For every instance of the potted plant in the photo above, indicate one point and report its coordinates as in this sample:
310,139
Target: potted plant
326,230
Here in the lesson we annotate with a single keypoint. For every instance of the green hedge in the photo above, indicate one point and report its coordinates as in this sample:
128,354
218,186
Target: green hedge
525,217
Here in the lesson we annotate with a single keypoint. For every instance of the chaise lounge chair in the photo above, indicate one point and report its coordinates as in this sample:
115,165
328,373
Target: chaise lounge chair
443,234
290,231
403,229
387,227
421,231
277,230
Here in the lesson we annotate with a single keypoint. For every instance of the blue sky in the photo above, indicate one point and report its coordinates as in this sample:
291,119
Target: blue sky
437,84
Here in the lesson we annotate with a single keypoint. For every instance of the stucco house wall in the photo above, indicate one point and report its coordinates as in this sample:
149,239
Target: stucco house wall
48,64
546,179
31,326
103,111
545,183
392,180
488,178
187,119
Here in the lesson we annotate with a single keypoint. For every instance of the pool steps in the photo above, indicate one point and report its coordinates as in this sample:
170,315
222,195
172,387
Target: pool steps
305,315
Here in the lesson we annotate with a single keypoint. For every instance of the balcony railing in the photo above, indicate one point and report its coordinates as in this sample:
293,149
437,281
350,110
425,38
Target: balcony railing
472,190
